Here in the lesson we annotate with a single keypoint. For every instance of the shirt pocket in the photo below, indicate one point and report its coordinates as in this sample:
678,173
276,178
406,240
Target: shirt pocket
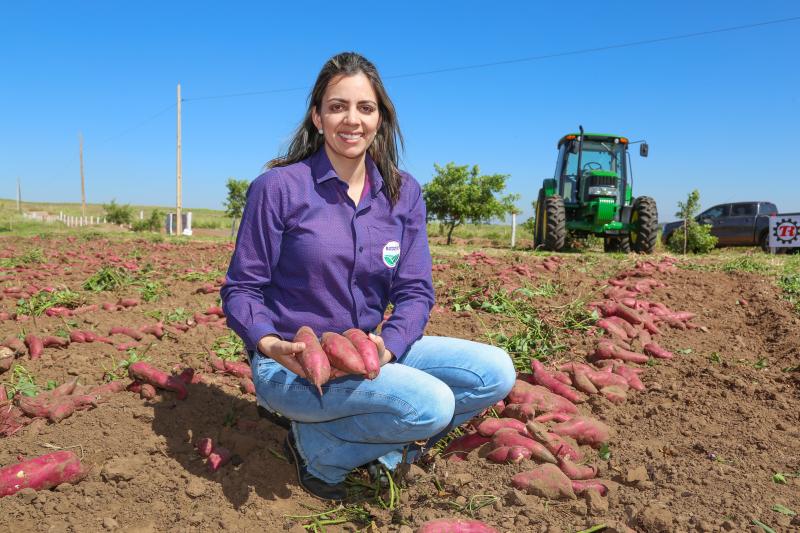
385,251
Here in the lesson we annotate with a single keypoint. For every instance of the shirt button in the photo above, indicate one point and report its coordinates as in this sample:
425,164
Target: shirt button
360,248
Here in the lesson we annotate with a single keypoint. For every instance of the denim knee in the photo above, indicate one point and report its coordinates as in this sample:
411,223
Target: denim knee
429,413
501,374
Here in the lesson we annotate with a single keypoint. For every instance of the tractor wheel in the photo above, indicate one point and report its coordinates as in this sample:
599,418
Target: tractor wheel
644,225
621,244
555,225
538,223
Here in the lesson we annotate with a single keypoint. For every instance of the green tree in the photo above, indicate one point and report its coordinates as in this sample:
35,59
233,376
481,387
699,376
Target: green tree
237,197
458,194
118,214
695,238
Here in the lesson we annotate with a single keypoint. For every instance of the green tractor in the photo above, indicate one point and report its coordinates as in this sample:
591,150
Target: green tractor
592,194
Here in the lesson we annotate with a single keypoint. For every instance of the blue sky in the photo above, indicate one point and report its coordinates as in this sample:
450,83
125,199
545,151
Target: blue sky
719,111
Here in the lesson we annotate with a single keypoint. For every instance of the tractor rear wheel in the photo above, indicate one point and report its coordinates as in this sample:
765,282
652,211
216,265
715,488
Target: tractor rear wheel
617,243
555,224
538,223
644,225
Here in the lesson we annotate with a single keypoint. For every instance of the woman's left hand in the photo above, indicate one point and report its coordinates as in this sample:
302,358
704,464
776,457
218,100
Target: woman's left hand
384,354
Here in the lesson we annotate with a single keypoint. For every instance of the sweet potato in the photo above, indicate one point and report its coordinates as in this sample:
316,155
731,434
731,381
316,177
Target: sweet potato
508,454
239,369
490,426
630,330
35,346
111,387
542,399
148,374
545,379
130,332
108,306
585,430
583,383
520,411
612,329
218,458
545,481
247,386
459,447
6,361
366,349
549,417
602,379
452,525
204,446
657,351
590,484
147,391
128,302
631,375
342,354
54,342
16,345
43,472
156,330
606,350
615,394
556,444
313,359
215,310
510,437
574,471
77,336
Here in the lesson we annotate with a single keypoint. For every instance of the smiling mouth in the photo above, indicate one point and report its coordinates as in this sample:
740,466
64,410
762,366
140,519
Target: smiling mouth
350,136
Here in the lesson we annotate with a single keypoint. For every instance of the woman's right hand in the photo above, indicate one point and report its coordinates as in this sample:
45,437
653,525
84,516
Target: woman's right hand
284,352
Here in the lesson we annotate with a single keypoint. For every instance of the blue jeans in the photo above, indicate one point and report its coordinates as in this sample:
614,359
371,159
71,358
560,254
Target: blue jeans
439,384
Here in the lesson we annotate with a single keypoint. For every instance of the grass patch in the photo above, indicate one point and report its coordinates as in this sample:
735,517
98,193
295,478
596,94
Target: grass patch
41,301
745,264
229,347
108,278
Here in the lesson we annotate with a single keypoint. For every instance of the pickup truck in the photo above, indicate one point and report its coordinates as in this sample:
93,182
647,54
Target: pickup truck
734,224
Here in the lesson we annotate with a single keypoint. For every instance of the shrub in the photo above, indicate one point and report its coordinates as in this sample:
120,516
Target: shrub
118,214
153,223
698,241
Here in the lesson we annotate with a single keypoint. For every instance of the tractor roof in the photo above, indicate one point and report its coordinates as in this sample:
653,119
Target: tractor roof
592,137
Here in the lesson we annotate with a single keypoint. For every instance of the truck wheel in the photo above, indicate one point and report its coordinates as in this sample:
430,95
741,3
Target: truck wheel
644,225
538,222
763,241
555,225
621,243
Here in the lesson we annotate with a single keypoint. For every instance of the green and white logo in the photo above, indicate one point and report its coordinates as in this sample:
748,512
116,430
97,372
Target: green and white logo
391,253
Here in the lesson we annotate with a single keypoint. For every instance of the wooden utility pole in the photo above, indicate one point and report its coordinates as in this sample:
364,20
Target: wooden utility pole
83,183
178,221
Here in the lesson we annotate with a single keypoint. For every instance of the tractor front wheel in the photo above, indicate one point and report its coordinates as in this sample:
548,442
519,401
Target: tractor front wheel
644,225
555,225
620,243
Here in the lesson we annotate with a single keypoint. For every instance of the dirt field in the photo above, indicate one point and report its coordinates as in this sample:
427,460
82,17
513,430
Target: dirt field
698,450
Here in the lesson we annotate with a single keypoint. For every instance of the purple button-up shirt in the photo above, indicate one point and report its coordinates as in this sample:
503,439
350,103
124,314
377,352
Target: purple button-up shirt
307,255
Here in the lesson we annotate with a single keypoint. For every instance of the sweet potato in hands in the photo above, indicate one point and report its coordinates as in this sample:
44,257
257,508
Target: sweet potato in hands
366,349
313,358
342,354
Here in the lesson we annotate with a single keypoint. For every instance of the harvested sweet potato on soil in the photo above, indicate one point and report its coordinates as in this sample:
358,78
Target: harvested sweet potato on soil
545,379
459,447
147,373
542,399
43,472
510,437
453,525
545,481
490,426
585,430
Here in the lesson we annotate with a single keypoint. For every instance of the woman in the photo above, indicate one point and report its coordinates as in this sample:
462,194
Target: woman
331,234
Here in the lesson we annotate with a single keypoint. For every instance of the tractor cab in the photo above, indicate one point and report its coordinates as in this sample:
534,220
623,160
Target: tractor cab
597,167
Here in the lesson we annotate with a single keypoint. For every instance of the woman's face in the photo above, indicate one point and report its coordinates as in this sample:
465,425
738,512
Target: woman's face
348,116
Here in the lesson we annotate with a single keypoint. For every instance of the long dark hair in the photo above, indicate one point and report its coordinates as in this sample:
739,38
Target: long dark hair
383,150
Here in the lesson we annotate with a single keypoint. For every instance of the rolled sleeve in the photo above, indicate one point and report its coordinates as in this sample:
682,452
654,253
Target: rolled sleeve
255,256
412,293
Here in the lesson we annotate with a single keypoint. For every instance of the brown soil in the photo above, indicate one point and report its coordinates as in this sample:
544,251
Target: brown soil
696,451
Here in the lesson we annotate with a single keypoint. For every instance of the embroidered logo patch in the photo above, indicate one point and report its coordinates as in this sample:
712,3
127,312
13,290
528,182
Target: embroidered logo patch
391,253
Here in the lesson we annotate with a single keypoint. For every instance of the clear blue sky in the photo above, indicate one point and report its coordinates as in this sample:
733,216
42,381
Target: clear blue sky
720,111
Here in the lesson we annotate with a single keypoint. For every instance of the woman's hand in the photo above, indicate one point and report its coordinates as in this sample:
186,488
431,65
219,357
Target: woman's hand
384,355
284,352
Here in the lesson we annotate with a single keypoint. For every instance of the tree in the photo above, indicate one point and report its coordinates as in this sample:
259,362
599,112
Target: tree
457,194
697,238
118,214
237,197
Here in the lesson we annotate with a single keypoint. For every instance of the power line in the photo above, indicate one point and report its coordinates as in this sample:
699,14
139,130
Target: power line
580,51
137,126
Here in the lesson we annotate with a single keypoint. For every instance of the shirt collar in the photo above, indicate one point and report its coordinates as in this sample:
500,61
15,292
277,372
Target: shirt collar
322,170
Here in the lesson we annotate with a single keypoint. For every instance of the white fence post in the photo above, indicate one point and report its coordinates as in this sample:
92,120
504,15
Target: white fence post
513,230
